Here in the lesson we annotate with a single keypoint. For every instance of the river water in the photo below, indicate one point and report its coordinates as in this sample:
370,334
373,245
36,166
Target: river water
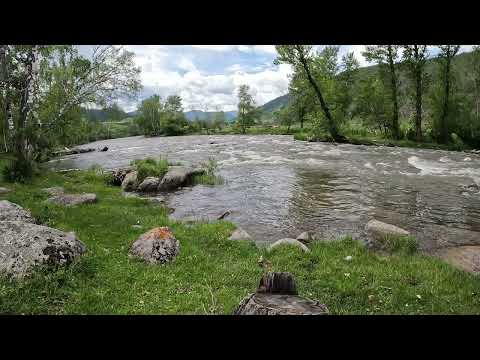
277,187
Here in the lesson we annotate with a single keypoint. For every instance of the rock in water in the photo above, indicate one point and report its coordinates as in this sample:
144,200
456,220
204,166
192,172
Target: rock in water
306,237
156,246
105,148
378,231
150,184
24,246
240,234
4,190
73,199
129,183
178,176
13,212
277,295
288,241
118,175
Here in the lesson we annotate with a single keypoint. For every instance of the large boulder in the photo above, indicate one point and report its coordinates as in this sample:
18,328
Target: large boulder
178,176
118,175
73,199
129,183
24,246
240,234
288,241
56,190
156,246
378,232
150,184
277,295
13,212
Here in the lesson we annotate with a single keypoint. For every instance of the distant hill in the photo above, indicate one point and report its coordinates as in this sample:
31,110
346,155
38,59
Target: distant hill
202,115
275,104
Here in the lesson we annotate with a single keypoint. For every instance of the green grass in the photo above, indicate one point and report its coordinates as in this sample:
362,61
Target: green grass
211,273
150,167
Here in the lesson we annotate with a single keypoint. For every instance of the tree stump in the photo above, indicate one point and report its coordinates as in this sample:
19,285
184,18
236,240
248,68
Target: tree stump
277,295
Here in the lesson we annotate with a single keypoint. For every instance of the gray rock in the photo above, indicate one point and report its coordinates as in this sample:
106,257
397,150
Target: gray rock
4,190
150,184
178,176
240,234
56,190
306,237
118,175
156,246
24,246
13,212
378,231
288,241
73,199
129,183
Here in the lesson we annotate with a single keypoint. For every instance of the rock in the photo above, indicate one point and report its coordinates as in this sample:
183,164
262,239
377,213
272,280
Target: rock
306,237
73,199
178,176
24,246
82,151
471,187
4,190
378,231
118,175
277,295
288,241
156,246
149,184
240,234
56,190
466,257
129,183
13,212
105,148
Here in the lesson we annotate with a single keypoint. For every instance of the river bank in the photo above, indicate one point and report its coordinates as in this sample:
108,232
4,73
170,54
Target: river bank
212,274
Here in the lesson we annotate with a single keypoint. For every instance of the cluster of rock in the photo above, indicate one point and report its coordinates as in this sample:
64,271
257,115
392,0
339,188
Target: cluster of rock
175,177
67,151
25,245
59,197
277,295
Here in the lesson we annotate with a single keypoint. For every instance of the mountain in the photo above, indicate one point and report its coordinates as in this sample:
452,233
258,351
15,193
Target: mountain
275,104
202,115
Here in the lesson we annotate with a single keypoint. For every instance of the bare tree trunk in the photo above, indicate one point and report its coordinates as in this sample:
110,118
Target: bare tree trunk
331,123
418,105
444,134
393,78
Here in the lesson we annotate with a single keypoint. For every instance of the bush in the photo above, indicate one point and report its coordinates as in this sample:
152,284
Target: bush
400,244
18,171
150,167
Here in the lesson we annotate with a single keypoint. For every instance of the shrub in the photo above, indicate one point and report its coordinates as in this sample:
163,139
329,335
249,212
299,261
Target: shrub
400,244
18,171
150,167
209,178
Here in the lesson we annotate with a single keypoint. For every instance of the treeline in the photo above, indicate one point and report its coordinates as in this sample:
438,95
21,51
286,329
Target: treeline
411,94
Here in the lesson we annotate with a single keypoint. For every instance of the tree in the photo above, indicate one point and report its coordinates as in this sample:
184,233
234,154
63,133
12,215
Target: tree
219,120
415,57
246,108
446,55
151,115
300,97
386,57
41,85
284,116
114,112
473,88
300,57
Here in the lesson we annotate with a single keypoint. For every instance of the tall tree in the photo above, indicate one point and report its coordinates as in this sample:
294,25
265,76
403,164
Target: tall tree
446,55
386,57
415,57
246,108
473,88
300,57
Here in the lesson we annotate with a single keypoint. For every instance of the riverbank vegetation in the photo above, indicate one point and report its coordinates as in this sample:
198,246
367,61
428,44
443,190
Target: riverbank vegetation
212,274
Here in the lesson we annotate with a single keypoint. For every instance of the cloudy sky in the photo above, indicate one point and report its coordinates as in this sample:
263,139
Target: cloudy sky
207,76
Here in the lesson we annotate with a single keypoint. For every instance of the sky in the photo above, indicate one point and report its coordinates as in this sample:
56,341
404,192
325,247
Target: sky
207,77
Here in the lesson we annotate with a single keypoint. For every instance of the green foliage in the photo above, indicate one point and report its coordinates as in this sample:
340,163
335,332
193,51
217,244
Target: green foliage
150,167
247,111
400,244
210,177
18,171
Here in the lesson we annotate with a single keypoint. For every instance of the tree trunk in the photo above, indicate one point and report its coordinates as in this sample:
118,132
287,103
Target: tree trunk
393,78
331,124
444,131
418,105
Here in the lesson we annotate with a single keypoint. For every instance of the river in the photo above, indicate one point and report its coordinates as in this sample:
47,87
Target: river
277,187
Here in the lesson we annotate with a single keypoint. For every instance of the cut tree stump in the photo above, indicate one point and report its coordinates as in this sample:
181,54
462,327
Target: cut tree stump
277,295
